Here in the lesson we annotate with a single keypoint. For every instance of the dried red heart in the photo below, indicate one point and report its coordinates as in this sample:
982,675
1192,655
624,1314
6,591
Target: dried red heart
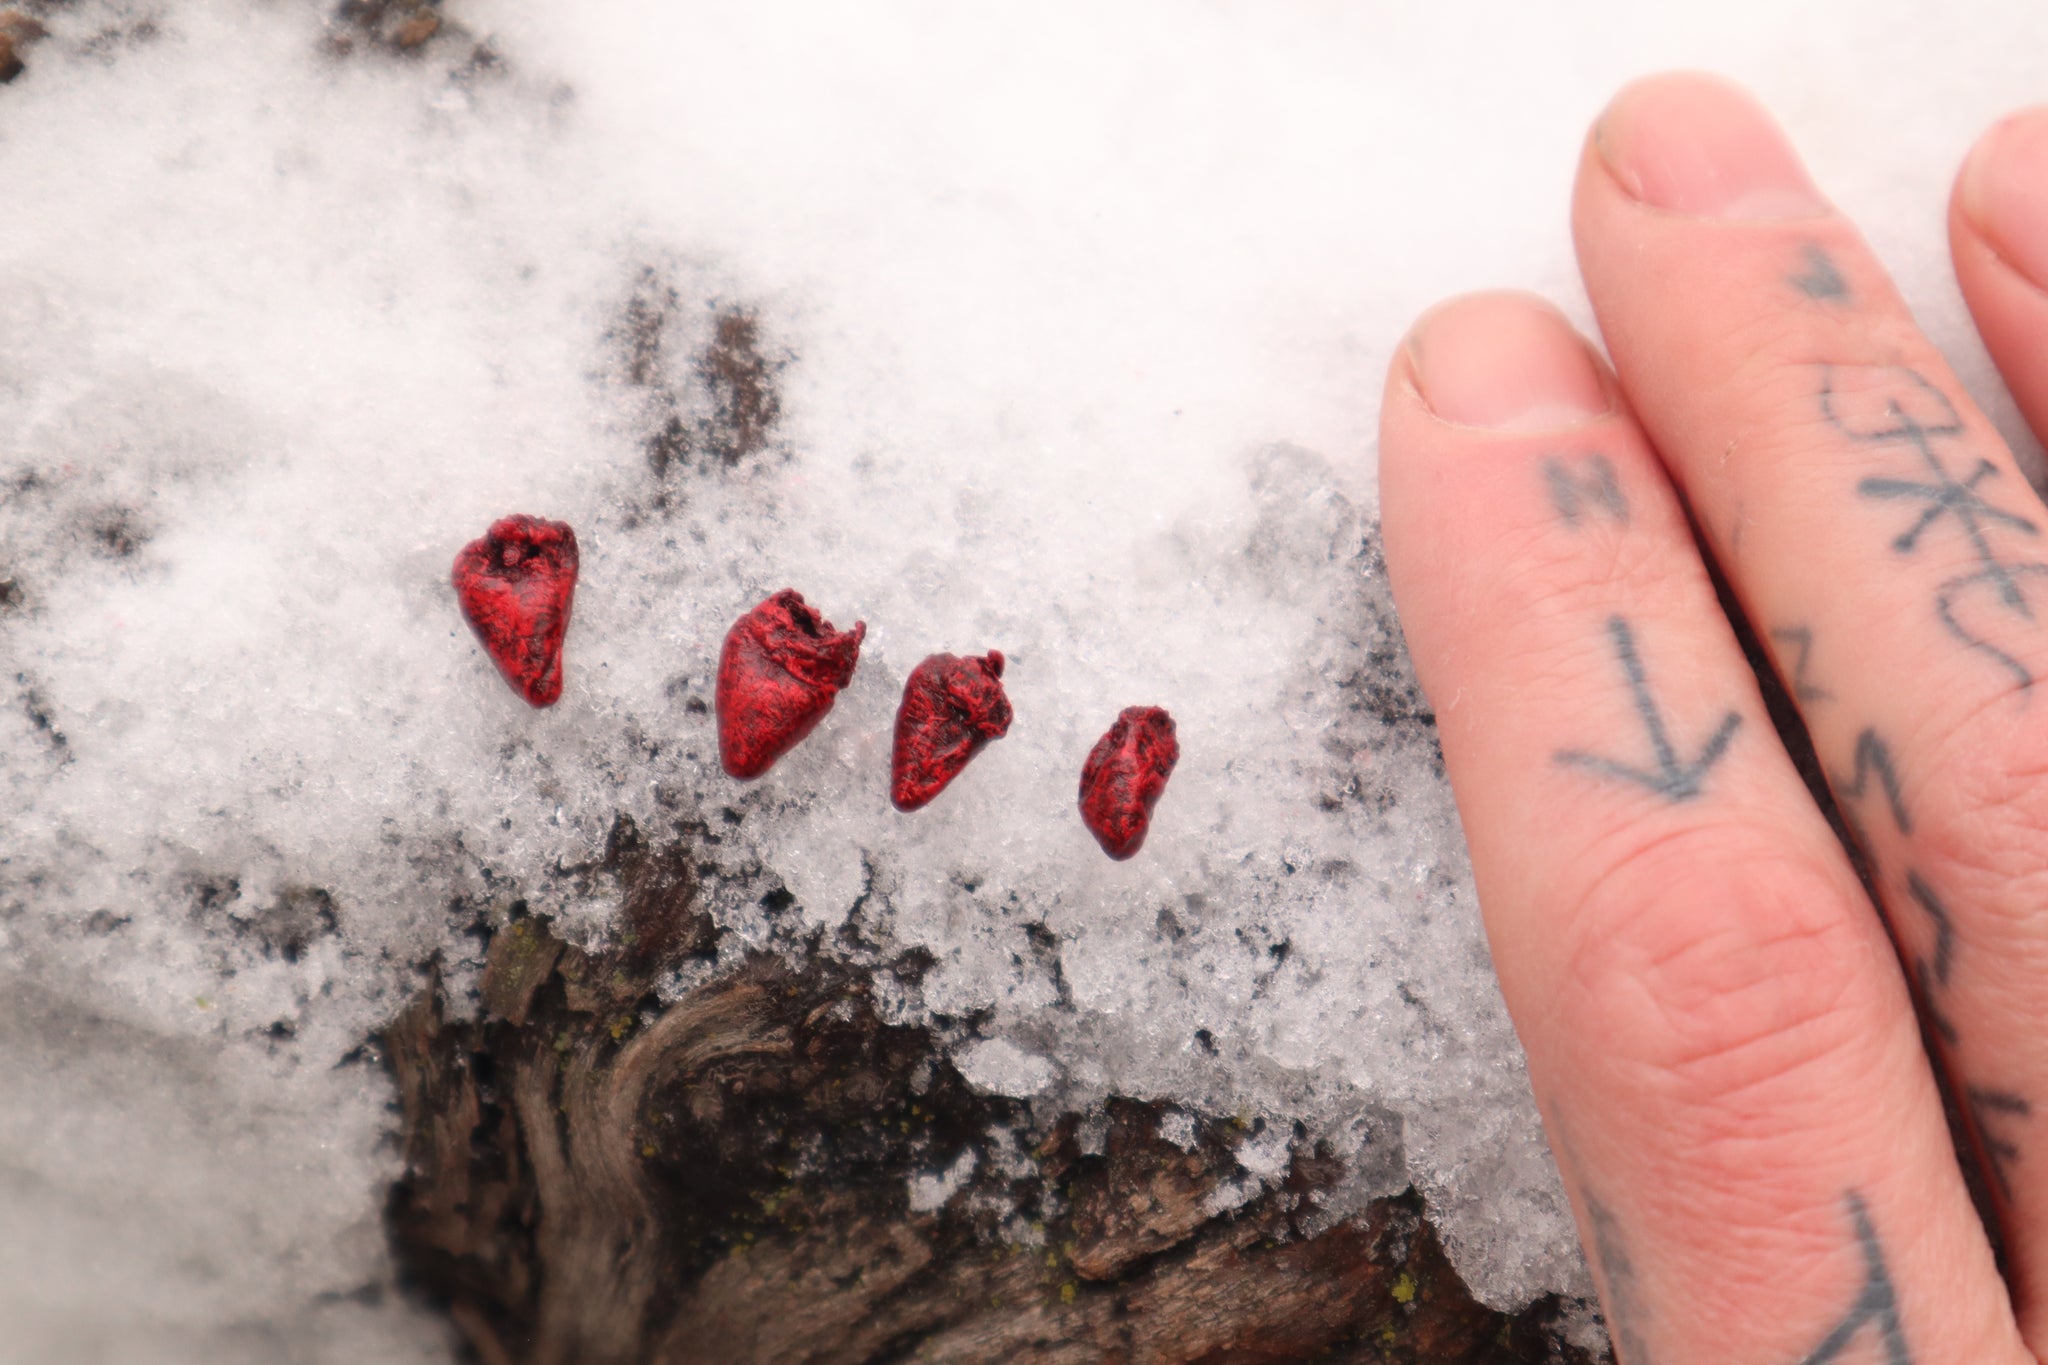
782,667
1123,777
952,707
515,586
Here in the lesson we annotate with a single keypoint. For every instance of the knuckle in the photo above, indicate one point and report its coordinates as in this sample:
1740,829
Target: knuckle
1546,576
1716,968
1775,372
1772,351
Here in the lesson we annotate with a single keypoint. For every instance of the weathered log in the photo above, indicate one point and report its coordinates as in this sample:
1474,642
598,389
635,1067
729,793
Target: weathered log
595,1177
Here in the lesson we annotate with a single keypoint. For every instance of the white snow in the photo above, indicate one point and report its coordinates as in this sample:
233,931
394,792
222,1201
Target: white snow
996,1066
1084,308
929,1191
1178,1127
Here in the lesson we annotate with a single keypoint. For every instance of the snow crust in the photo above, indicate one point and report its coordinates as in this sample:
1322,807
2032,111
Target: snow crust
1076,316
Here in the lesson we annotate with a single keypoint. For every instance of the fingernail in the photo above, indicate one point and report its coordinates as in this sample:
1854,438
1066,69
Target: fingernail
1505,361
1701,146
2004,192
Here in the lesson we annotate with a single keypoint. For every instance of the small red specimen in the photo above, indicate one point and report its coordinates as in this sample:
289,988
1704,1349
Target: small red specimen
952,707
782,668
1123,777
515,586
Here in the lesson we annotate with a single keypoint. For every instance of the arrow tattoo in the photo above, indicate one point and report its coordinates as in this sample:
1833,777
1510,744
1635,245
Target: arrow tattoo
1671,779
1876,1306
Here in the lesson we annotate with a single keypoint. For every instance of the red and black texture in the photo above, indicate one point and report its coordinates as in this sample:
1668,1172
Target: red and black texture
1123,777
952,707
516,586
781,670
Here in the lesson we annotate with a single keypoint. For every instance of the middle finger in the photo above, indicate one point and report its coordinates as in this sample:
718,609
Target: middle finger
1881,540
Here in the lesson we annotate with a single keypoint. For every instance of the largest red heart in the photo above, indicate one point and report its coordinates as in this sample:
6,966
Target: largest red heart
515,586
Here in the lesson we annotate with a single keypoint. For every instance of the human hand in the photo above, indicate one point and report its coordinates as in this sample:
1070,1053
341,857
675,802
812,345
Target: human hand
1721,1038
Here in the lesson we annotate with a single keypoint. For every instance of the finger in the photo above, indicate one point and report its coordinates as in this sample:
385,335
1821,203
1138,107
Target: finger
1879,535
1998,236
1717,1030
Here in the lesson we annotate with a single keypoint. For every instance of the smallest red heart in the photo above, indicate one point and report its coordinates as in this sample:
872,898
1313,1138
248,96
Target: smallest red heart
952,707
1123,777
515,587
781,670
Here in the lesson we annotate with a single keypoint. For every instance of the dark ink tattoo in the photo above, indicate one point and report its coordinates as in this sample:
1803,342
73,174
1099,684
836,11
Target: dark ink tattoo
1932,970
1946,496
1985,1104
1991,1112
1818,279
1874,759
1801,638
1943,495
1938,1021
1944,928
1877,1303
1577,494
1671,779
1624,1307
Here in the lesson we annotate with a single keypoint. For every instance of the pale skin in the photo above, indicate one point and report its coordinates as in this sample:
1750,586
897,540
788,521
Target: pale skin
1739,1043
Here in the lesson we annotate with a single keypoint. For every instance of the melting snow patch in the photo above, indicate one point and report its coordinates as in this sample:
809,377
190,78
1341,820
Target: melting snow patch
929,1193
997,1066
1178,1128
